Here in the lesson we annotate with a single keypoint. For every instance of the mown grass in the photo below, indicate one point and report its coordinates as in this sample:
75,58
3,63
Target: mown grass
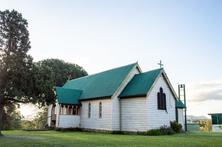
57,139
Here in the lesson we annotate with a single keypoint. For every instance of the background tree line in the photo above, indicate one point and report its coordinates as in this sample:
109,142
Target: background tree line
205,124
61,71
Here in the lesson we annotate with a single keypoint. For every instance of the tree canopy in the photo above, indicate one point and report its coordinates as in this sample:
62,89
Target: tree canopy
21,81
61,70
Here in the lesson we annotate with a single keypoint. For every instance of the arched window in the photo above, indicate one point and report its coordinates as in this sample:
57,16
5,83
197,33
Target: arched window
74,110
161,100
100,110
89,110
77,110
70,110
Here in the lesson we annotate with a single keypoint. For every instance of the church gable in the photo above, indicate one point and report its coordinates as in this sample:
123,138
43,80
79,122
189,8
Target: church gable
140,84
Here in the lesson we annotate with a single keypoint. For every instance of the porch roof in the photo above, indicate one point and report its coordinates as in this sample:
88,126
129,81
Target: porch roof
179,104
68,96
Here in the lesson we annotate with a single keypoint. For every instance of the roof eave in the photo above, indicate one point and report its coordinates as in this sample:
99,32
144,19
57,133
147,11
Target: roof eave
96,98
169,84
70,104
133,96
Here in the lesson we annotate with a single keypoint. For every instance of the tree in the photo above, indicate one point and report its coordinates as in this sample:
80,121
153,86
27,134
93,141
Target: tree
11,118
41,118
21,81
208,125
61,70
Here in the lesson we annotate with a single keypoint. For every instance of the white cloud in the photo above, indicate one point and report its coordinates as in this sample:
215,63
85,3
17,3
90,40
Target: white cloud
205,95
203,85
204,91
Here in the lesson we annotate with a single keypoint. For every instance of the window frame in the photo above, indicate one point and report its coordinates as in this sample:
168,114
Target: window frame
161,100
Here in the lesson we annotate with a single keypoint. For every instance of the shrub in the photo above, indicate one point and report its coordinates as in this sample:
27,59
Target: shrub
116,132
176,127
153,132
165,130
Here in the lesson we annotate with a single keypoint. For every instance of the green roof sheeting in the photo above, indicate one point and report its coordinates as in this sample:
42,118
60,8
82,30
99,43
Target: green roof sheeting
179,104
140,84
68,96
100,85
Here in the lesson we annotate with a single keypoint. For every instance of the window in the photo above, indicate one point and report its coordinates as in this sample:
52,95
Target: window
89,110
100,110
161,99
74,110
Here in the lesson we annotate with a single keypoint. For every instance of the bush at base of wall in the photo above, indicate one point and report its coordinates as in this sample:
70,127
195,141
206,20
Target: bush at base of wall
163,130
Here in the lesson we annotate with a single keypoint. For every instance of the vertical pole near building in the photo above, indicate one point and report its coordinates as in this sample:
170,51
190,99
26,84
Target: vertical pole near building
185,103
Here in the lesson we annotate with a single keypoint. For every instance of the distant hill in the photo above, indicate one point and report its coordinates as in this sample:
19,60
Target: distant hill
197,117
28,117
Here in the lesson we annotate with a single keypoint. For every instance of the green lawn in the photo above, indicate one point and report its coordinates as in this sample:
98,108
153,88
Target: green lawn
55,138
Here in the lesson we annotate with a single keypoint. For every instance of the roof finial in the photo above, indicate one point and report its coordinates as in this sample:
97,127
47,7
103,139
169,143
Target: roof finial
160,64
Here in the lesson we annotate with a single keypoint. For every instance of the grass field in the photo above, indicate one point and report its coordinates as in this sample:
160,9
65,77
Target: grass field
55,138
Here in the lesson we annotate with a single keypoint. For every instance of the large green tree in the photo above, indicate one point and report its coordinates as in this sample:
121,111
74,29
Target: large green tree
62,71
21,81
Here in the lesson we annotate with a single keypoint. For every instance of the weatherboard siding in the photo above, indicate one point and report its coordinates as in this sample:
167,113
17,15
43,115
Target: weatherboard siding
115,102
133,114
181,118
94,122
217,128
67,121
155,117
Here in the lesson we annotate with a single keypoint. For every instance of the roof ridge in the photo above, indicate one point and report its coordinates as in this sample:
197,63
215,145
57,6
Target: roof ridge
152,70
103,71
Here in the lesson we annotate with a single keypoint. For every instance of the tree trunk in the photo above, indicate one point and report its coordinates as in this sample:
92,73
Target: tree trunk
1,113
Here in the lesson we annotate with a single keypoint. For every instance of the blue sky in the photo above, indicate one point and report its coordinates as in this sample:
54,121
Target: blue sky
99,35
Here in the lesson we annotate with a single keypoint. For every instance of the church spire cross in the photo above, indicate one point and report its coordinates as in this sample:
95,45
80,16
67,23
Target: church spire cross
160,64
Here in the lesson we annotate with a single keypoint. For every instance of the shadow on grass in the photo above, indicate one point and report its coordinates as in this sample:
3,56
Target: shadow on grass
20,137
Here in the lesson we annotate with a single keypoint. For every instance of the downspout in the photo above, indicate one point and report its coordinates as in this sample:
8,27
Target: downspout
185,108
120,115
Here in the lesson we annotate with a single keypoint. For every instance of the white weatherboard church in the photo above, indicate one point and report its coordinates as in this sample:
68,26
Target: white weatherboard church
121,99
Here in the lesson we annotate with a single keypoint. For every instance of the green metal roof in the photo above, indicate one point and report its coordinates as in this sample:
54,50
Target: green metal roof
215,114
68,96
100,85
216,118
179,104
140,84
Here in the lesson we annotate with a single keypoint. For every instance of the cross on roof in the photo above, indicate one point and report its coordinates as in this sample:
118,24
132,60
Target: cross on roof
69,77
160,64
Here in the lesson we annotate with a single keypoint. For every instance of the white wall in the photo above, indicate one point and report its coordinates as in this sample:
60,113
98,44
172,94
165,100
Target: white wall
217,128
67,121
155,117
134,114
115,102
94,122
181,118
